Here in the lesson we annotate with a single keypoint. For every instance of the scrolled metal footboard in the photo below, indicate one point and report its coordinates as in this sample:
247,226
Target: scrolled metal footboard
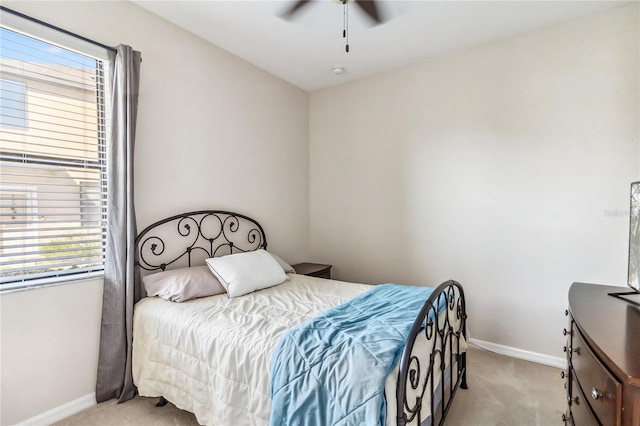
437,375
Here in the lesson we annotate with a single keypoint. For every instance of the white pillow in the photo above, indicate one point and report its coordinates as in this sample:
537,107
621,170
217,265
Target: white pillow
243,273
287,268
179,285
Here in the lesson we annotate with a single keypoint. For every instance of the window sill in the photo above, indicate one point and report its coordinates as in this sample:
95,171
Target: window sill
49,282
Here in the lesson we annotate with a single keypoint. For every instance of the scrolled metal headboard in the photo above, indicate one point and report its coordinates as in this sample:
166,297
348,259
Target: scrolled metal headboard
187,239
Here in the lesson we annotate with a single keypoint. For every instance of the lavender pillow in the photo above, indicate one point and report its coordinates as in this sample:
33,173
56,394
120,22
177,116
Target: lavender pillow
285,266
180,285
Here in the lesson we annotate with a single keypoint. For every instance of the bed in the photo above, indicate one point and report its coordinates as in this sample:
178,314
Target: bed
212,355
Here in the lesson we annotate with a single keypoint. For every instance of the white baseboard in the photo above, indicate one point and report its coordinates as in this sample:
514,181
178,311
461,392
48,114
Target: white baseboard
61,412
553,361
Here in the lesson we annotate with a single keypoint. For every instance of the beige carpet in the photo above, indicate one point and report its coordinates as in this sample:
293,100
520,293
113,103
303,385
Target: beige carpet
502,391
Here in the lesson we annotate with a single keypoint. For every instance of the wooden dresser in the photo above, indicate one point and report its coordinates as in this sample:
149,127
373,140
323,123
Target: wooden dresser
603,354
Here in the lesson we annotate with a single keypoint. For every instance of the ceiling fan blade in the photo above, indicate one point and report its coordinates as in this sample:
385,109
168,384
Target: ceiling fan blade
369,7
293,9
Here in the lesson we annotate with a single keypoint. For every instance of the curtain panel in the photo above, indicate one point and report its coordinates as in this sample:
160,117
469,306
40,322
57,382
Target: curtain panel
114,379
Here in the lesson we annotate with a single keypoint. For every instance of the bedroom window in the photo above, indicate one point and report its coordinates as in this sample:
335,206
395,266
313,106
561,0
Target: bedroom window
53,171
13,113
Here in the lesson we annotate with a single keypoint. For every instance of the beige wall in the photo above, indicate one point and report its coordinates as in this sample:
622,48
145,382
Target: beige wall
506,167
48,347
496,167
213,132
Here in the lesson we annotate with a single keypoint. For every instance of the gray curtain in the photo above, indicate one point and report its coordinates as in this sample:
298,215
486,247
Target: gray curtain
114,363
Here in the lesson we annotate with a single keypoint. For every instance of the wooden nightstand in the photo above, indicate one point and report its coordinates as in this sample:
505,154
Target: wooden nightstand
313,270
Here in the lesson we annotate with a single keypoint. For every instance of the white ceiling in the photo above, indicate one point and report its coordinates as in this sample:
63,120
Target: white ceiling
303,50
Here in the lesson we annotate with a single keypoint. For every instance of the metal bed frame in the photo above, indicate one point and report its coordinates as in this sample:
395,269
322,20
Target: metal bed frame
442,320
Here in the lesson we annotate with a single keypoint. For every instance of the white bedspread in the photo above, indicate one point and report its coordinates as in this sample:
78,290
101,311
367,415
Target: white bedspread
212,356
219,369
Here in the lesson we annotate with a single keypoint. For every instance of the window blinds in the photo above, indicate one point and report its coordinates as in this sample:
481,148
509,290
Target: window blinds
53,171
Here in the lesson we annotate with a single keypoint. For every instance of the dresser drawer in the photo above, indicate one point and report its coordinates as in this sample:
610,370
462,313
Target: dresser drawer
580,413
601,389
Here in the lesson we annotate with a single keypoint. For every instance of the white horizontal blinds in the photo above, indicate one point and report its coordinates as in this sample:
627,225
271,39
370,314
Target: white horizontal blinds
52,161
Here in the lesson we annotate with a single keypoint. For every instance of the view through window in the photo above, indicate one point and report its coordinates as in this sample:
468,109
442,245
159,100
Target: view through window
53,125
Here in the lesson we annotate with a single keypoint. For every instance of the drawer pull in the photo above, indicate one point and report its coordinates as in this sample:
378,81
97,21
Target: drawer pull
565,332
572,400
576,350
565,419
566,312
563,374
595,393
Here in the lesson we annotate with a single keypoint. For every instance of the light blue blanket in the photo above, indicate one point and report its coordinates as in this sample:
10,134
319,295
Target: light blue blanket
331,369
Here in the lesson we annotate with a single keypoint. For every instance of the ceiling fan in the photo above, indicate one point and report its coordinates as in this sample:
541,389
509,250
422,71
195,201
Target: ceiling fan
367,6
